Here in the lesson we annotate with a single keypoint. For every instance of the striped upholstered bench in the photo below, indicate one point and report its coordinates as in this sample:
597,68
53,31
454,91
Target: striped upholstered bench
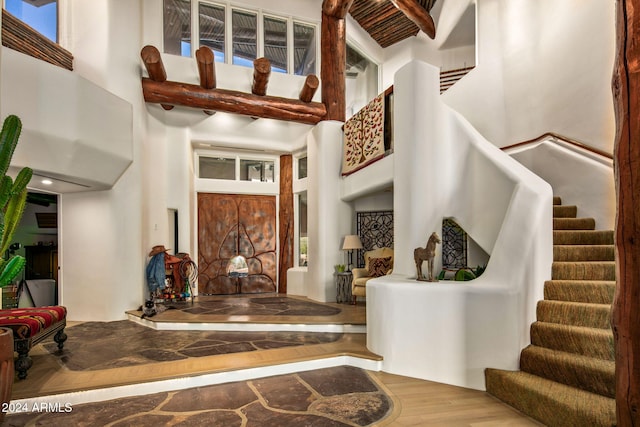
30,326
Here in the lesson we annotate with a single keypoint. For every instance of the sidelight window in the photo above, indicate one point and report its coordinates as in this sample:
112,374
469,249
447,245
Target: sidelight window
303,237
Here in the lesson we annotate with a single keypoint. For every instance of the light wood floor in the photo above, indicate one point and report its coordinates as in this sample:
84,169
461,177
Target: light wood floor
416,402
426,403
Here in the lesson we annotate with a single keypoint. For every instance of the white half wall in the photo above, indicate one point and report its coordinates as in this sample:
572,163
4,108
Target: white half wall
451,331
72,129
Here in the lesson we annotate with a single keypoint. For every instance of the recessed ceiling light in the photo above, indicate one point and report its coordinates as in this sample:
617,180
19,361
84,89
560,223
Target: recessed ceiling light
47,182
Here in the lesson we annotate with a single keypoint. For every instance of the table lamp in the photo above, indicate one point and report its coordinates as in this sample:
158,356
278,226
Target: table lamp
351,242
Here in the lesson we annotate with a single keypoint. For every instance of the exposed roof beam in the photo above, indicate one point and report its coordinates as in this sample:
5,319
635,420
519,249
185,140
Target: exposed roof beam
418,15
333,48
336,8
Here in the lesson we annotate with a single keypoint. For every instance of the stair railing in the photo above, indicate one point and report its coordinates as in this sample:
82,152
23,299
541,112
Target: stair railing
551,136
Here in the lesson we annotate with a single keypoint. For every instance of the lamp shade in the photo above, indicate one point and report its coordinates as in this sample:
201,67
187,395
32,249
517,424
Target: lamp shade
351,241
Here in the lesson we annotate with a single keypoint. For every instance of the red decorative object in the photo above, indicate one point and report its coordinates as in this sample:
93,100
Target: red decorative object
7,370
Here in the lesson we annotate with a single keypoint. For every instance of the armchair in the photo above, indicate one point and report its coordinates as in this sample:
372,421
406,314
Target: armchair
378,262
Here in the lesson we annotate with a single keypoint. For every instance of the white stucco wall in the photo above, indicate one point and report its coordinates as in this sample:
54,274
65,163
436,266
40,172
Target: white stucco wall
445,168
563,166
86,146
101,235
329,218
543,66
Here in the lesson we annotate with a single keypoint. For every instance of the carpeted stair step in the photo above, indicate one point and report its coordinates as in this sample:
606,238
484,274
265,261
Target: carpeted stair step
565,211
583,237
590,291
586,373
590,342
583,253
574,313
588,270
549,402
574,224
557,200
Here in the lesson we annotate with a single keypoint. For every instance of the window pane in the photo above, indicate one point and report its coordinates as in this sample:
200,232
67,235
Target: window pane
304,41
361,80
256,170
217,168
275,43
212,29
245,37
302,168
303,243
41,15
177,27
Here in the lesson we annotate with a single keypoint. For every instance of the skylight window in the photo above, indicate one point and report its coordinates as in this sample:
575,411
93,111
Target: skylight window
41,15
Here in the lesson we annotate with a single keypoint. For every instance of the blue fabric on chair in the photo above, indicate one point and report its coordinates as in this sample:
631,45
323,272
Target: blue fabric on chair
156,273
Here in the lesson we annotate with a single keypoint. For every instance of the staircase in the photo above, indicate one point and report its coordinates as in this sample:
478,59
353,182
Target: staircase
567,374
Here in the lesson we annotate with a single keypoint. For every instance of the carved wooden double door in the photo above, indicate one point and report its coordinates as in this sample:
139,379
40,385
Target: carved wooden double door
230,225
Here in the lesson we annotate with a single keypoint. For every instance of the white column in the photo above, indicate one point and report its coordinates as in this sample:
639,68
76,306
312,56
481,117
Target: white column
329,218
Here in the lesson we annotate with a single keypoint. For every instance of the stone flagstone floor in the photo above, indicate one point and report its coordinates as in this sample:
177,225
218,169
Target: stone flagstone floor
331,397
105,345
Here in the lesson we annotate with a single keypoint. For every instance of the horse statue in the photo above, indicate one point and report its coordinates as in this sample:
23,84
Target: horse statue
427,253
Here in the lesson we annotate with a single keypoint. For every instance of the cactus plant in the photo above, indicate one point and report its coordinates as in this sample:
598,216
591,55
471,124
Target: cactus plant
13,197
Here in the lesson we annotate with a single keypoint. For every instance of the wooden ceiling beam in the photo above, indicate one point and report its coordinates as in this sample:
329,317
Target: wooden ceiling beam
261,73
333,51
378,17
206,67
231,101
418,15
336,8
156,89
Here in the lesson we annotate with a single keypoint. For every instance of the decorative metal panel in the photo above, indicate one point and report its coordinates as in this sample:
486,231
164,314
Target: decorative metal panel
375,230
454,245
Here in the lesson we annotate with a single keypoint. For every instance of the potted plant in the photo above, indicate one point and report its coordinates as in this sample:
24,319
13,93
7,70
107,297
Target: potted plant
13,197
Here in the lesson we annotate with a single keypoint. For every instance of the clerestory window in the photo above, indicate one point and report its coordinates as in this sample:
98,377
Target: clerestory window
41,15
239,35
32,28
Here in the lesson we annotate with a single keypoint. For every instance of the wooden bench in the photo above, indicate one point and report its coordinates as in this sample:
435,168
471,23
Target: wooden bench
32,325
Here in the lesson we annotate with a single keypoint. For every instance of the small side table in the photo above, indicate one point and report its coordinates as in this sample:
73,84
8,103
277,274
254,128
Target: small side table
343,286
